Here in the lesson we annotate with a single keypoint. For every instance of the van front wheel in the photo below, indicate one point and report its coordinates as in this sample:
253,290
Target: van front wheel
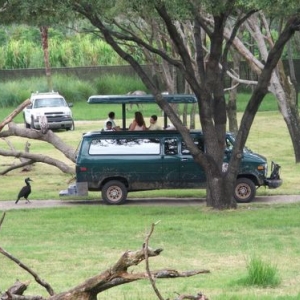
244,191
114,192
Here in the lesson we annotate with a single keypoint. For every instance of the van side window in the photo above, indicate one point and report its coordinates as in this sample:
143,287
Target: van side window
197,141
171,146
133,146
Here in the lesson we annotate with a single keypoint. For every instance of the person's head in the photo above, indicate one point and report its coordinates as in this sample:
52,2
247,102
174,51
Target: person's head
111,115
153,119
139,118
108,125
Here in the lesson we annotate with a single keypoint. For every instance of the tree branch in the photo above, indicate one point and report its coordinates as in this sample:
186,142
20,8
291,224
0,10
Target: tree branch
40,158
20,165
10,117
146,245
27,269
50,137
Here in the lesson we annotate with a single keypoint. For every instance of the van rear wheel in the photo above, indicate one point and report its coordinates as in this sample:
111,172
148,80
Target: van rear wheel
114,192
244,191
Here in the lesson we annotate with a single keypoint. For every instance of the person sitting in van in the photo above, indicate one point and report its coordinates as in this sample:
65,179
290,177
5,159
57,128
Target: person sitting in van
111,118
109,126
138,123
153,123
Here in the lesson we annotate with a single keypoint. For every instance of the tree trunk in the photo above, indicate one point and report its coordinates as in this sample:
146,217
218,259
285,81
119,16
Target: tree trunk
44,36
279,83
286,96
231,104
220,193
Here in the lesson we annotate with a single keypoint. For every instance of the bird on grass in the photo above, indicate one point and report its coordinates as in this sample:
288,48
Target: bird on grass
25,191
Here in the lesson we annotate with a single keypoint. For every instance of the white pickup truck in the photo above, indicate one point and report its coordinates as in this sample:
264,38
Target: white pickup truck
53,106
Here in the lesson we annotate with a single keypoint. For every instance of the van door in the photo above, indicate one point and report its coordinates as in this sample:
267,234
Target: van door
171,163
135,159
191,173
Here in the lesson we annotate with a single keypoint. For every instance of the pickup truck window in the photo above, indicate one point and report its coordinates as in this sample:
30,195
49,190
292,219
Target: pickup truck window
49,102
133,146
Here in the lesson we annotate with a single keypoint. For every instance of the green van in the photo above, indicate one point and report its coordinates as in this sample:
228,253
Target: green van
118,162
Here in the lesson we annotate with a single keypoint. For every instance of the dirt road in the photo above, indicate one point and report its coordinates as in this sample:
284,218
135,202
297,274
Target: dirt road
8,205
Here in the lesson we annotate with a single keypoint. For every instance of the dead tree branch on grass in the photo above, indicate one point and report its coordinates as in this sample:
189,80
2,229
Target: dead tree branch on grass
25,164
50,137
116,275
40,158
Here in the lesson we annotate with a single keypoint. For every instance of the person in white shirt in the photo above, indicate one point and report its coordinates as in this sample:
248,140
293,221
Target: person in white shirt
111,118
108,126
153,123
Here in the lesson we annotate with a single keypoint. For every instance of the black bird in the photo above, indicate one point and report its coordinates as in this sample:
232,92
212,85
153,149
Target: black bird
25,191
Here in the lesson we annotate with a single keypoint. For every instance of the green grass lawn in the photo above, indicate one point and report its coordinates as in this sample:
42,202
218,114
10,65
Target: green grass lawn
65,246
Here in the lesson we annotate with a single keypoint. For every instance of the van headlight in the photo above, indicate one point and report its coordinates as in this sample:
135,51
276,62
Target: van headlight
263,168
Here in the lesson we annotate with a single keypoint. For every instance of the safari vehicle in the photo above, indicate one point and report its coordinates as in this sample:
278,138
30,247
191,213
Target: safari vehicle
53,106
118,162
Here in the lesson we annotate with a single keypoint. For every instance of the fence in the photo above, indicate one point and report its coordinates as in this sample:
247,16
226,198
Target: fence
88,73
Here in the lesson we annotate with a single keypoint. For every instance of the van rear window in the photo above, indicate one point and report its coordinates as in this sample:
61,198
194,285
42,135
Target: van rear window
124,146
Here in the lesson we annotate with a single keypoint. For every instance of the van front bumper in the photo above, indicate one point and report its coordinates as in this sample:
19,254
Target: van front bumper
273,183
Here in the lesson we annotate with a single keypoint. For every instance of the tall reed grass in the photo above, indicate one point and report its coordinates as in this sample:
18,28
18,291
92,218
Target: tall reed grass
73,89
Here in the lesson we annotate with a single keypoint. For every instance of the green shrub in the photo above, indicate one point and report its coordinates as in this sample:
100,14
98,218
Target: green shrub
261,273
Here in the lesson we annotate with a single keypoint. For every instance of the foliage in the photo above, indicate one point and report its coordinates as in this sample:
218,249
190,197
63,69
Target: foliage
20,47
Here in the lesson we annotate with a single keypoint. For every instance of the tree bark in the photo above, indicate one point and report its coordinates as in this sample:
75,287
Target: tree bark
231,104
44,37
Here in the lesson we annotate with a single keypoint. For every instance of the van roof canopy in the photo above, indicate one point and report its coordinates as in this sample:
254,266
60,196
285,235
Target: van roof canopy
132,99
137,99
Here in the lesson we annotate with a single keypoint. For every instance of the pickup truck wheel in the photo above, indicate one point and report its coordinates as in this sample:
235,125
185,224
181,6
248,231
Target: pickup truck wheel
72,127
114,192
244,191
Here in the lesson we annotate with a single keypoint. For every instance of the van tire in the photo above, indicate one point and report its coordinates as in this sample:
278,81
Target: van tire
114,192
244,191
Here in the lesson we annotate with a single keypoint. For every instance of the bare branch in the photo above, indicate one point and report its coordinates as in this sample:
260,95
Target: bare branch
40,158
49,137
2,219
20,165
147,264
10,117
35,275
